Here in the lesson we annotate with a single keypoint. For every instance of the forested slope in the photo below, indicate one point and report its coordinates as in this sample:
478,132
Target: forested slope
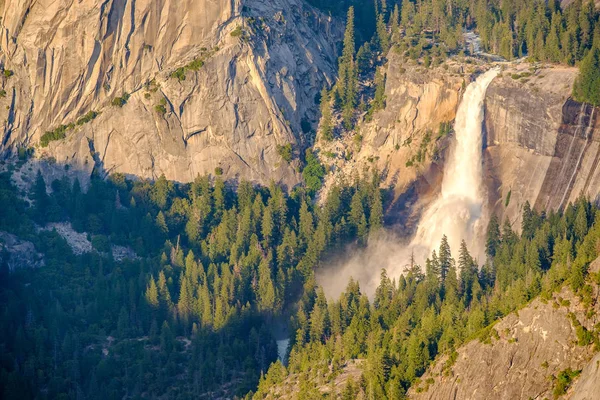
191,314
219,263
429,313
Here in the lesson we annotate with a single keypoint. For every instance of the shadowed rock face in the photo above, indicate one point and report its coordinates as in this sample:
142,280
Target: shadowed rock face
18,253
253,91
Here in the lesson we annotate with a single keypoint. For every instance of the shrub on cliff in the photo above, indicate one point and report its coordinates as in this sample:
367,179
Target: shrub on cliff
313,172
285,151
56,134
121,101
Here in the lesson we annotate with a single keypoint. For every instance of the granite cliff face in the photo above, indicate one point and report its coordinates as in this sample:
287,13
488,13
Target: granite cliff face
526,351
418,101
254,69
542,147
403,140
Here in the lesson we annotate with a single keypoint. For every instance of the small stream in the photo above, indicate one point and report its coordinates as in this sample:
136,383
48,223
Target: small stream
474,47
281,333
282,348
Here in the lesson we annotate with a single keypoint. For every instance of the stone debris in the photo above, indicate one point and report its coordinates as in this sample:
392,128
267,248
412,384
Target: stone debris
21,253
121,253
78,242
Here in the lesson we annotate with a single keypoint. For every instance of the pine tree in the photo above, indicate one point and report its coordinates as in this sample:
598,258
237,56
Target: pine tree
596,40
493,240
577,276
319,318
268,226
508,235
468,272
528,223
191,267
152,293
306,223
568,45
408,13
218,195
553,51
364,59
163,291
413,270
587,84
204,306
167,340
383,38
356,209
326,116
40,197
384,292
287,250
347,86
432,267
445,258
350,98
581,223
586,27
378,102
184,305
451,285
394,23
376,215
161,192
266,289
162,223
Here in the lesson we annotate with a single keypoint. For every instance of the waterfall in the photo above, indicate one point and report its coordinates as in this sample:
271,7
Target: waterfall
460,210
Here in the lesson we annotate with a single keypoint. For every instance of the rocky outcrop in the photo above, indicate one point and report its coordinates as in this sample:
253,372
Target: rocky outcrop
324,384
18,253
527,350
403,140
80,244
587,386
258,67
542,147
418,101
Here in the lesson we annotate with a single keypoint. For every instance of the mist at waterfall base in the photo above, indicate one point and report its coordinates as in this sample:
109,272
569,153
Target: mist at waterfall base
459,212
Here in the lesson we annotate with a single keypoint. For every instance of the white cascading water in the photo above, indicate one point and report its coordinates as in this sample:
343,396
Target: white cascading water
459,211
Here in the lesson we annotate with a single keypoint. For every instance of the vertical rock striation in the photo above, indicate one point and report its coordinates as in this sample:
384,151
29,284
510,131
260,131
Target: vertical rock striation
258,66
542,147
522,356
